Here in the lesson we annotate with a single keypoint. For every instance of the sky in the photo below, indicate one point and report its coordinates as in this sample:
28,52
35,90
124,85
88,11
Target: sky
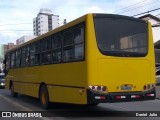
16,16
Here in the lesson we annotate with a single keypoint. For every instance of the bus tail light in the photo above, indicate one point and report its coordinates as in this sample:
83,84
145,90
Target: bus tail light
135,96
148,87
150,95
103,88
100,97
120,97
98,88
93,87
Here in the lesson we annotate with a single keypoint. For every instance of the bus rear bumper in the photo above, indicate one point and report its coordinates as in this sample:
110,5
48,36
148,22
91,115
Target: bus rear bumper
93,97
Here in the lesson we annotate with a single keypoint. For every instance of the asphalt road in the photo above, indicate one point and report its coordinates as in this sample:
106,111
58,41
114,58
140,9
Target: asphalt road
25,103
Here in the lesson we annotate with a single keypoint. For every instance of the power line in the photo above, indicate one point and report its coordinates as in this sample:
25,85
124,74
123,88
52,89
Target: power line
15,24
16,30
139,6
157,14
129,6
146,12
25,23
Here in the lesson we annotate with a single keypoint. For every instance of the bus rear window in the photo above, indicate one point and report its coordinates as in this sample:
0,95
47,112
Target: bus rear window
121,37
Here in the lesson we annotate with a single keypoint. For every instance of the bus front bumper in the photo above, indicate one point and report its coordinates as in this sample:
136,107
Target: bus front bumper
93,97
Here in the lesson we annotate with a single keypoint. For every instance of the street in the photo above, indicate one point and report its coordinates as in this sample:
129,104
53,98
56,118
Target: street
25,103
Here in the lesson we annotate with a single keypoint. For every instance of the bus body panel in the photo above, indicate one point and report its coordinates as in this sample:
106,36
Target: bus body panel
115,71
64,94
69,82
61,86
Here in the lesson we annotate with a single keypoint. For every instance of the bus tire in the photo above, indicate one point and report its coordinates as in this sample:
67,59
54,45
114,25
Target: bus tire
13,94
44,97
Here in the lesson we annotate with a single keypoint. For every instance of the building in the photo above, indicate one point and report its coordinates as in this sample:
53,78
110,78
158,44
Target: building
155,21
44,22
3,50
24,39
8,47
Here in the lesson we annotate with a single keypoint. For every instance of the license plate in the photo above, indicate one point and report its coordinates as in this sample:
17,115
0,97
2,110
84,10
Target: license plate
126,87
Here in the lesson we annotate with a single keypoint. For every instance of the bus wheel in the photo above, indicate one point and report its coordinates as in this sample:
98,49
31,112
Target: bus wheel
44,97
13,94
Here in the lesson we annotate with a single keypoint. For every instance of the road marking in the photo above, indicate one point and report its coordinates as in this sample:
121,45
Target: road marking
21,106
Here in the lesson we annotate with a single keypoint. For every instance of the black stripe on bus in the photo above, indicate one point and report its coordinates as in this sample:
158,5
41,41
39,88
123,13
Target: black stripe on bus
51,84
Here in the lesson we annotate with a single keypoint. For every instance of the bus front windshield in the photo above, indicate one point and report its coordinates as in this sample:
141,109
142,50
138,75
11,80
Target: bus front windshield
121,37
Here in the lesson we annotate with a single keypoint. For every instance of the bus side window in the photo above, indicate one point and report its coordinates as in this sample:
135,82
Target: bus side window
18,58
5,65
13,58
68,48
37,53
37,59
23,60
7,62
79,43
32,55
56,48
27,57
73,44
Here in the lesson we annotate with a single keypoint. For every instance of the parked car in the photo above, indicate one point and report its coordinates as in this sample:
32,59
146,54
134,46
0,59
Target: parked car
158,75
2,82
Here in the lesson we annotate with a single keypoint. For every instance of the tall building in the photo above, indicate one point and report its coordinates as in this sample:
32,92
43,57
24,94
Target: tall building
24,39
44,22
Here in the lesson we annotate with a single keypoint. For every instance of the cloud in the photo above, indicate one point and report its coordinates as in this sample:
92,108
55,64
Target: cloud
95,9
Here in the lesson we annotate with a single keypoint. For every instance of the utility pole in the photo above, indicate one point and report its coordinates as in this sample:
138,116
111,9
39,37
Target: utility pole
65,21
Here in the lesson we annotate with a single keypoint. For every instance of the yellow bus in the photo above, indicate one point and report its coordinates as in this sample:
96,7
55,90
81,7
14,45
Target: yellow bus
97,58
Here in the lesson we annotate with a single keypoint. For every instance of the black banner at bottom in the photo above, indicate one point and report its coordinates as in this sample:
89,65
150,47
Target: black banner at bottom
38,114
